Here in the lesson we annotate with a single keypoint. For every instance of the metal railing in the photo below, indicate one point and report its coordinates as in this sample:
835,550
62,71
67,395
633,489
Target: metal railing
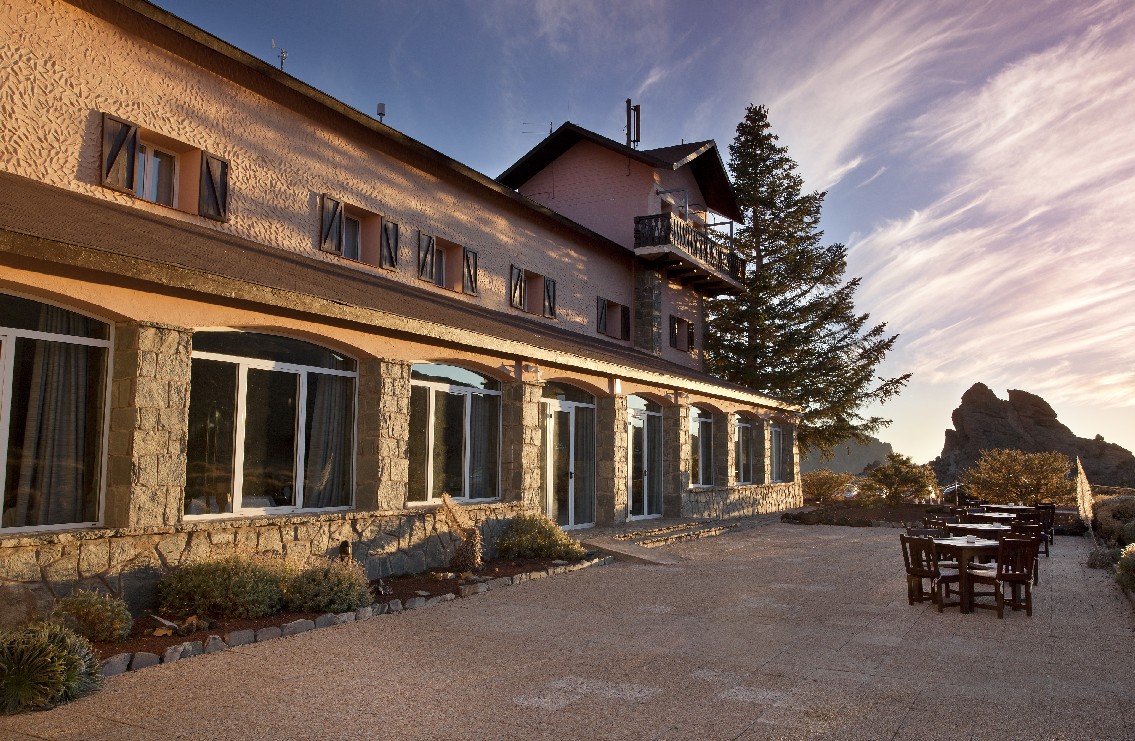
663,229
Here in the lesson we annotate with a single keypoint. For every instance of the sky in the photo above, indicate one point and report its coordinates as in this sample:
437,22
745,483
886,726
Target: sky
978,156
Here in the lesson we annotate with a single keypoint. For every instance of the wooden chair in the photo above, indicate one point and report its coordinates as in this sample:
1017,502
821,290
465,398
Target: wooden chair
1048,520
1034,531
1016,561
922,562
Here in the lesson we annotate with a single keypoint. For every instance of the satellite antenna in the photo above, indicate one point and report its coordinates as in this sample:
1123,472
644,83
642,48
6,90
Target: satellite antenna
282,54
381,111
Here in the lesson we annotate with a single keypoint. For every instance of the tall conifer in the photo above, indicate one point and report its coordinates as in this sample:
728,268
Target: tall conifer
794,333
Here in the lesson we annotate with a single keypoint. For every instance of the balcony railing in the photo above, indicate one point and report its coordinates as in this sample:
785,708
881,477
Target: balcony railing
667,229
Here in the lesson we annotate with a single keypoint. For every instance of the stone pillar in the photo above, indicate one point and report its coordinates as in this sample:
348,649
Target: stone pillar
675,455
760,450
369,435
611,460
724,452
766,453
393,434
149,425
522,443
648,310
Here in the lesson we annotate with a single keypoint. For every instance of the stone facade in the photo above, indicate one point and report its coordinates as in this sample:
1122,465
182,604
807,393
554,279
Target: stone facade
675,456
611,460
522,443
721,502
393,434
648,311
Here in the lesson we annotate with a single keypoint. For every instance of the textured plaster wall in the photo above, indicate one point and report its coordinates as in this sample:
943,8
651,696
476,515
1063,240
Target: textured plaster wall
63,67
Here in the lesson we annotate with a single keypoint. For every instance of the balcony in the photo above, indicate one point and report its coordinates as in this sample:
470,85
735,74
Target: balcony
688,254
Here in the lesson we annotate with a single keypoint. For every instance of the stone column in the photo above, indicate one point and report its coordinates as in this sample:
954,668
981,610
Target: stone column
760,450
522,443
393,434
724,452
369,435
675,455
611,460
149,425
648,310
766,452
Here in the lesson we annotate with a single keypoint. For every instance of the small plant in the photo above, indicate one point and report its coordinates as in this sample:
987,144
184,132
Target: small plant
1125,569
824,486
234,586
94,615
336,586
1102,557
537,536
45,664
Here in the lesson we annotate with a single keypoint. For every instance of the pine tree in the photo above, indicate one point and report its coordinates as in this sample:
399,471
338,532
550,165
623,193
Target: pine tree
794,333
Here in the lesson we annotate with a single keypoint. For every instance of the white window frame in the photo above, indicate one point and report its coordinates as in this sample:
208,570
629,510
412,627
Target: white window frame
645,416
550,407
776,440
466,439
357,246
8,336
145,188
746,422
702,422
244,364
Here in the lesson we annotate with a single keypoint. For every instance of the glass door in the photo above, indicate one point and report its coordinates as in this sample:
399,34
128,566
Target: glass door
569,449
644,465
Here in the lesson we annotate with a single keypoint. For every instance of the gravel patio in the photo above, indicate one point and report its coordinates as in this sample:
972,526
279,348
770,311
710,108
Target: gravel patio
769,631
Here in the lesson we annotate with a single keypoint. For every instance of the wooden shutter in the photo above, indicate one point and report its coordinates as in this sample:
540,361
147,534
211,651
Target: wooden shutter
119,153
469,276
625,332
516,287
549,298
213,191
601,315
689,335
388,257
673,331
426,247
331,224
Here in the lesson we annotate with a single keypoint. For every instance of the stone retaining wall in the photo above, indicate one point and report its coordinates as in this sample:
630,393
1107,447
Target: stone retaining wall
35,569
722,503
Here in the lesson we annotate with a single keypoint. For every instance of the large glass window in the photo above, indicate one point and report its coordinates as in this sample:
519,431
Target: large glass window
644,447
568,432
783,467
271,425
53,366
744,453
701,447
454,433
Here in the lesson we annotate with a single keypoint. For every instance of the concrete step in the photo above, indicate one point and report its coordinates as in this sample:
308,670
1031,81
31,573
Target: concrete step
625,550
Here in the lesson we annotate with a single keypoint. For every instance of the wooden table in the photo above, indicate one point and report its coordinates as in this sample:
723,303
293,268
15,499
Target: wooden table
965,552
1009,508
997,517
989,530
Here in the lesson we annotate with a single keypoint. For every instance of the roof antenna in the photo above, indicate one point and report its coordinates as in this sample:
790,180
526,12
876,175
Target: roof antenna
634,132
529,123
282,54
381,111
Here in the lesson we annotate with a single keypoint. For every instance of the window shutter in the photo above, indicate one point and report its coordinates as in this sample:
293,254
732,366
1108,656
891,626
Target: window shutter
549,298
119,153
469,277
516,287
601,315
626,328
331,225
690,336
426,247
213,191
673,331
389,254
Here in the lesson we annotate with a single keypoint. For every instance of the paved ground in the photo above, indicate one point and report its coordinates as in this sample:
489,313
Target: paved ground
777,631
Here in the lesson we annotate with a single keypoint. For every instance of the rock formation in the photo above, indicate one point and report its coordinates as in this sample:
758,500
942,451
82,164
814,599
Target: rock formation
1024,422
849,457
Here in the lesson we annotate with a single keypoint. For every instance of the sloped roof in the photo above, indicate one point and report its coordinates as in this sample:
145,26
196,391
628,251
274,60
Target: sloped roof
702,157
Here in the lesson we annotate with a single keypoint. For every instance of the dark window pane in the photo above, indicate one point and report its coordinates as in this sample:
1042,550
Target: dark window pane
329,440
271,347
449,444
638,466
352,233
54,434
654,464
561,466
419,442
22,313
566,392
270,439
484,429
212,430
584,465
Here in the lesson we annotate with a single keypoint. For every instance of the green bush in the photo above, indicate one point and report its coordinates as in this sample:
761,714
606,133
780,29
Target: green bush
1113,517
94,615
45,664
1125,569
233,586
1102,557
336,586
537,536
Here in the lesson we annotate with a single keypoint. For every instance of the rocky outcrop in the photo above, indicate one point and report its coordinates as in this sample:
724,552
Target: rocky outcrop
1024,422
849,457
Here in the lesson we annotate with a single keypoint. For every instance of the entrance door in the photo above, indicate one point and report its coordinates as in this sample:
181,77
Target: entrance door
569,449
644,469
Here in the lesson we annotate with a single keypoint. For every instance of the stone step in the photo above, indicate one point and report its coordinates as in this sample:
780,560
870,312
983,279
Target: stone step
686,534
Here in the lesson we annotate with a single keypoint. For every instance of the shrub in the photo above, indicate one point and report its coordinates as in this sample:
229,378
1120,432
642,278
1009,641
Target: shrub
336,586
1125,569
469,555
825,486
1004,476
43,665
234,586
537,536
1102,557
94,615
898,480
1114,517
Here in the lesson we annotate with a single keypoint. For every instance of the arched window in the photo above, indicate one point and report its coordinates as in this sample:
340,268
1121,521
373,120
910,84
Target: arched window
701,447
53,369
744,437
454,433
271,425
